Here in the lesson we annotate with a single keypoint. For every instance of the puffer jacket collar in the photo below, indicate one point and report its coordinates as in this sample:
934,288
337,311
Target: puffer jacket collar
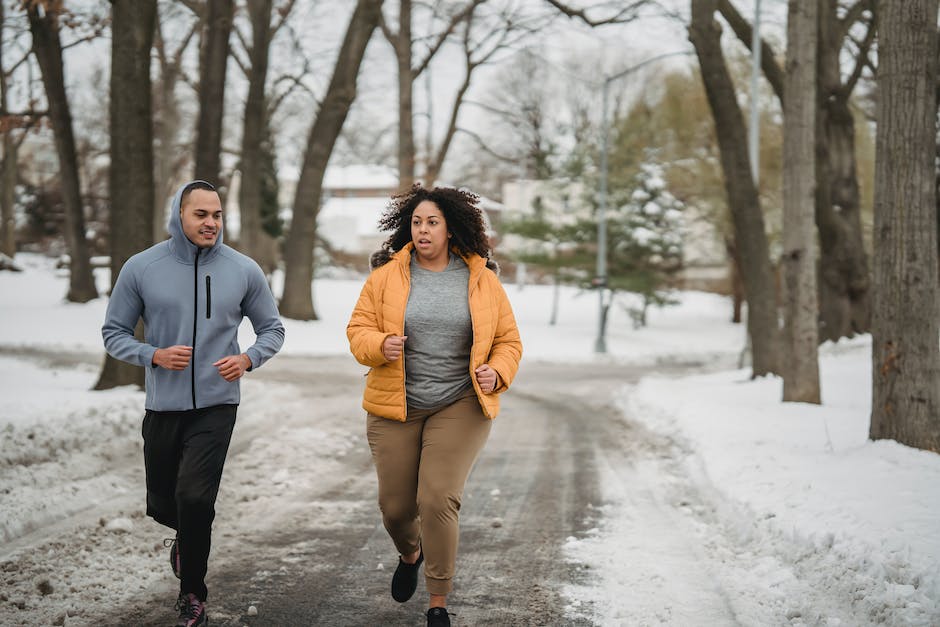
383,256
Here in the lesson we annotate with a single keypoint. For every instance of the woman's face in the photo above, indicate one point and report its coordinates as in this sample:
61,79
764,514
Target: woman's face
429,231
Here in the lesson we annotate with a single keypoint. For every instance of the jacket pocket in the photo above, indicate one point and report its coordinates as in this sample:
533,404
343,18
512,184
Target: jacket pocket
208,296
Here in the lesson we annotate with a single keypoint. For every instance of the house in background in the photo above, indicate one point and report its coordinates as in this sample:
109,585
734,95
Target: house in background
354,198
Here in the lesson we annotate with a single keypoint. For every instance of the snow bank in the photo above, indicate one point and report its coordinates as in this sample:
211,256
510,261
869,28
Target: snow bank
803,486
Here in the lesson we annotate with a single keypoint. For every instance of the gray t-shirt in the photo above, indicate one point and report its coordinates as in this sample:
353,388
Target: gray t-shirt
440,333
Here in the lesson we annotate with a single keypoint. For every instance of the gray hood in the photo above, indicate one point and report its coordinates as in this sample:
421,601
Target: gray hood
182,248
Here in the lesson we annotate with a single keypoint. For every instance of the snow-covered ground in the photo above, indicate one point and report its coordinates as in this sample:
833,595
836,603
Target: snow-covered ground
815,509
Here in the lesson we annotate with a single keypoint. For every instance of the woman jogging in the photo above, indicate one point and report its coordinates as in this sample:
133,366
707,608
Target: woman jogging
438,333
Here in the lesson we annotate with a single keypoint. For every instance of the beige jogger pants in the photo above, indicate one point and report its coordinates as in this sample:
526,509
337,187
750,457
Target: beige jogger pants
422,465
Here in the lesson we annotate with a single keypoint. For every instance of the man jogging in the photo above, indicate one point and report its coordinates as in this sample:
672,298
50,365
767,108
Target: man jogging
192,292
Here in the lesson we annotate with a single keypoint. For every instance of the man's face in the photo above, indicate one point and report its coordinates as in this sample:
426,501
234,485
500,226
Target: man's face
201,215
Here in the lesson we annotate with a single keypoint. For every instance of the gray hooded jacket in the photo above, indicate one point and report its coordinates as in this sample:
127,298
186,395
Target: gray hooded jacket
196,297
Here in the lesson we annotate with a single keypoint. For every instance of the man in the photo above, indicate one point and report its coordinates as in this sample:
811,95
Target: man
192,292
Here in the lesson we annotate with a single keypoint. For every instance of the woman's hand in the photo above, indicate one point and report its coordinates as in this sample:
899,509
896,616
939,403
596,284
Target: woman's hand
487,379
393,346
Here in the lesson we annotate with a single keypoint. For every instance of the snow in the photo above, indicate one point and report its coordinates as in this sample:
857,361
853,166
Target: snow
793,515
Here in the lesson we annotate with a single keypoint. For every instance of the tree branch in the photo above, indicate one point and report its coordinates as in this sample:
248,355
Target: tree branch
853,14
284,13
482,144
390,36
456,19
625,14
745,32
861,60
198,7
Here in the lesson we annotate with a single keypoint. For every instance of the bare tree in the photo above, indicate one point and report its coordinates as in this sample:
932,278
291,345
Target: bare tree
169,158
14,127
403,42
482,40
213,60
801,363
131,171
844,30
905,355
255,242
44,24
297,300
743,201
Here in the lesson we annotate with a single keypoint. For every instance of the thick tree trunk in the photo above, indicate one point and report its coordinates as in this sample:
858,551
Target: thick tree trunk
801,363
213,60
905,355
48,50
253,132
844,300
131,174
297,301
743,201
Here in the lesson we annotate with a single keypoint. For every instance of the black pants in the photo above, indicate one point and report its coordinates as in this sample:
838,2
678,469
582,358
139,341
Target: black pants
184,452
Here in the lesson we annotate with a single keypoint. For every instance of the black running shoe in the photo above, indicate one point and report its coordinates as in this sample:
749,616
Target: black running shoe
174,555
405,580
192,611
438,617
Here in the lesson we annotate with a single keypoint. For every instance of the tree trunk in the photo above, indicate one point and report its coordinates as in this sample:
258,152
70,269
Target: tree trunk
297,301
750,237
9,166
737,283
7,197
166,127
406,78
131,173
844,299
48,50
843,280
905,353
801,361
213,60
253,133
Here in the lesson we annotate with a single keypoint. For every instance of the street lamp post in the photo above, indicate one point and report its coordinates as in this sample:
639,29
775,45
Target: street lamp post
600,281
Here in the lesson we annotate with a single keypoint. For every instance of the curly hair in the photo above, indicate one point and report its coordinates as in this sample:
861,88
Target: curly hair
461,212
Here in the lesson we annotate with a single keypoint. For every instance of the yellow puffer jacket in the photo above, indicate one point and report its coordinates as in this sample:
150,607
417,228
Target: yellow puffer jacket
380,312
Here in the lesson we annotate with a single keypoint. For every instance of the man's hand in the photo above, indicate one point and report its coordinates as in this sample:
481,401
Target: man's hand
233,366
173,357
393,346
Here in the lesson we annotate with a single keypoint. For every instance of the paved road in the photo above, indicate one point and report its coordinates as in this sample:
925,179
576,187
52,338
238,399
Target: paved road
533,487
298,534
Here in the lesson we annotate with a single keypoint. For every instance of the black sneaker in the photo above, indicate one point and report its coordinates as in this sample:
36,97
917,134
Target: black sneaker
192,611
174,555
438,617
405,580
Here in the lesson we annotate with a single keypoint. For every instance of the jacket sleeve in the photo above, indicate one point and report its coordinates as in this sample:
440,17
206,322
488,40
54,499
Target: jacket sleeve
124,309
260,308
365,336
507,345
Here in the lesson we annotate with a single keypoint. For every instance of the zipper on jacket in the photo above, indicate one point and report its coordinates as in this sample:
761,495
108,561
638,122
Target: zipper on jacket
404,386
208,296
192,358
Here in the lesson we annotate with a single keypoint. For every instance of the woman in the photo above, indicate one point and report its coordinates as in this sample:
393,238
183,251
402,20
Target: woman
436,328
